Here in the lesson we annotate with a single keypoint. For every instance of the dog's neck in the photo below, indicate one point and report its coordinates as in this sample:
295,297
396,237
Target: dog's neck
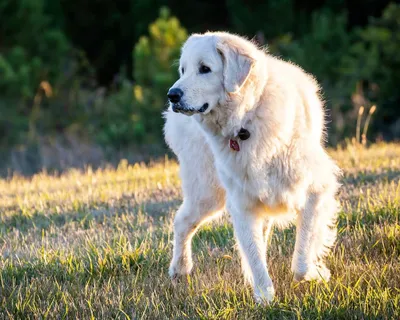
224,121
235,113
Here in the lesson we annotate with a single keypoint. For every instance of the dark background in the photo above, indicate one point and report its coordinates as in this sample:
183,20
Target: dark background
83,82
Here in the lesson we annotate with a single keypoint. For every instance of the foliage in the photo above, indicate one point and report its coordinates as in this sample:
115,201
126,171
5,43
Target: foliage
123,114
107,30
154,57
374,61
251,17
30,49
351,49
355,67
131,112
320,52
115,116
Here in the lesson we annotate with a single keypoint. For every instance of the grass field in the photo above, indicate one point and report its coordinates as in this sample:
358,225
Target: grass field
97,245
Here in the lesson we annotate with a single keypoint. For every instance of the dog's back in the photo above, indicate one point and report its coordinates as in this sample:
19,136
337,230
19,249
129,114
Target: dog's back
309,108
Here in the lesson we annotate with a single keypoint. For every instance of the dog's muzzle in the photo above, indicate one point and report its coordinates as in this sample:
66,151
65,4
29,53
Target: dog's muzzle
180,108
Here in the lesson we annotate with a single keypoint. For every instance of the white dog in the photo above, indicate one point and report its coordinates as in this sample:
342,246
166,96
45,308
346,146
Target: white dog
248,132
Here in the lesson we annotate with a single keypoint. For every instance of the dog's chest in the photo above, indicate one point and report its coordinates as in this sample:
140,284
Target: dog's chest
246,173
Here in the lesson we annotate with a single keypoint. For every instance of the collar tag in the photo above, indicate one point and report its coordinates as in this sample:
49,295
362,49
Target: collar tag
234,145
243,134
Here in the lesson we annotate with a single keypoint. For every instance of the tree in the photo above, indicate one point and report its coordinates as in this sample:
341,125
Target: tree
154,57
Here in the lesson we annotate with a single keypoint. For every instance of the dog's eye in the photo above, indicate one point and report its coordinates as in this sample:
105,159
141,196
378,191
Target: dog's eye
204,69
183,70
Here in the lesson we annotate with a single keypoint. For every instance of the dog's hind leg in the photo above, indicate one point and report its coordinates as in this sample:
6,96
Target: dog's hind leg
315,234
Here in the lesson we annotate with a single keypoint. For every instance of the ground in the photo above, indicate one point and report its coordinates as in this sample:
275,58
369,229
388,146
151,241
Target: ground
97,244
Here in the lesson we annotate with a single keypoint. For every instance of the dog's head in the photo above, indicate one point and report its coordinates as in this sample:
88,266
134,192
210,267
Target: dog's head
212,67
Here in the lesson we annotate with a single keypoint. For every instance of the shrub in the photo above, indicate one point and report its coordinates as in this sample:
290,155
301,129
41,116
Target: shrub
31,49
154,57
321,52
131,113
251,17
373,62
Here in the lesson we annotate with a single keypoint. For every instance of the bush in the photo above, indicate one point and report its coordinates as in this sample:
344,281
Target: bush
358,67
353,65
154,57
321,52
131,113
373,62
31,49
251,17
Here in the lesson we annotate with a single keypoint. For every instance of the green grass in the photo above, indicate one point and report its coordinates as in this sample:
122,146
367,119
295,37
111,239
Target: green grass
97,245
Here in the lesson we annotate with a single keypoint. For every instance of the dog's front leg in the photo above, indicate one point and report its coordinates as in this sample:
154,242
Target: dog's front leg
249,233
190,216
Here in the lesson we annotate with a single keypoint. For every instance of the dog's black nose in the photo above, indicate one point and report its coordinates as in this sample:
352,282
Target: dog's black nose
175,95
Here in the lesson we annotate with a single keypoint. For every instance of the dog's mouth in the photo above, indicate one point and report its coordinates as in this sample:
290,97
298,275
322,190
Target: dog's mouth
184,109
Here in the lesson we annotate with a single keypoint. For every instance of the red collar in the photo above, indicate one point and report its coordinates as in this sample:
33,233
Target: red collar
243,134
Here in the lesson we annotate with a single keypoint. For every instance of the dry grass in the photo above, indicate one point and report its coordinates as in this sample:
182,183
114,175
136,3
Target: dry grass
97,245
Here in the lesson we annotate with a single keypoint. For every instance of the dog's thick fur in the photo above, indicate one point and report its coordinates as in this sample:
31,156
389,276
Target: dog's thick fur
281,171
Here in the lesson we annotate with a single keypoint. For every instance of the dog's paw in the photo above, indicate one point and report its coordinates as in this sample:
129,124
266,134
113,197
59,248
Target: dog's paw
315,273
177,271
264,296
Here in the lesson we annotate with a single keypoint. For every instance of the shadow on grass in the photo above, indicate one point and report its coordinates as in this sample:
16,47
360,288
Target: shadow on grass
85,216
65,152
99,263
363,178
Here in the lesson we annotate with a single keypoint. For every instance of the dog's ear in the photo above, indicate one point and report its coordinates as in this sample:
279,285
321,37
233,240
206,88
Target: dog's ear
237,65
